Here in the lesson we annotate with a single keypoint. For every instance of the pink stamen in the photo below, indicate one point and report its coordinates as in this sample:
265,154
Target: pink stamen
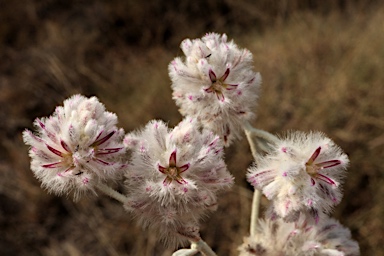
326,179
106,151
162,169
260,173
328,164
220,96
314,156
167,181
231,87
52,165
172,159
104,139
65,146
180,180
41,123
212,76
54,151
102,161
225,75
184,168
209,90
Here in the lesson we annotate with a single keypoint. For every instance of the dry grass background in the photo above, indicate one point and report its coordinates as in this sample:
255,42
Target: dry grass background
322,67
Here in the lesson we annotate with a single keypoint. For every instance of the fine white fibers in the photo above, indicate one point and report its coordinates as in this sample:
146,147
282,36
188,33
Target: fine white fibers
276,237
215,84
174,175
76,147
303,173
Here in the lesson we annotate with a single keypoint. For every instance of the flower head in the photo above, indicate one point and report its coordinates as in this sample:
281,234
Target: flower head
174,176
303,173
76,146
276,237
215,84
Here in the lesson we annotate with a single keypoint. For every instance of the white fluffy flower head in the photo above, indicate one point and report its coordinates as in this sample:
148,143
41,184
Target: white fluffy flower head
174,176
277,238
76,147
215,84
303,173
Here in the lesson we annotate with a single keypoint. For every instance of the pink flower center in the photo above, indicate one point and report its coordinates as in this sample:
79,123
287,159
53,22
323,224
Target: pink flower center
313,169
173,172
218,84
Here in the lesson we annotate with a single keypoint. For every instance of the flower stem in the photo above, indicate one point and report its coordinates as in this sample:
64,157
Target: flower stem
263,139
111,192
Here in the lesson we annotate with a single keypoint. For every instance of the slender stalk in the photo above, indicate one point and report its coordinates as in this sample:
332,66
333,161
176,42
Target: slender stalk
203,247
256,194
255,212
248,129
264,140
111,192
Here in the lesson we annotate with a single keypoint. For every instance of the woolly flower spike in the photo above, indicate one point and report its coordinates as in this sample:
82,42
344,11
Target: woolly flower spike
76,146
302,174
274,238
174,177
215,84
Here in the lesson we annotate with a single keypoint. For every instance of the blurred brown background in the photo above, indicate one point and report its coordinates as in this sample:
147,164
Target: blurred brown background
322,64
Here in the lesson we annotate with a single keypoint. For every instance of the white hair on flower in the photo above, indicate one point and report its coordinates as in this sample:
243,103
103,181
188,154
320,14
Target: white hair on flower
215,84
76,147
174,176
303,173
276,237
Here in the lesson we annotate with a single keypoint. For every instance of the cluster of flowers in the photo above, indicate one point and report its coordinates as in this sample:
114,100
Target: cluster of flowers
174,175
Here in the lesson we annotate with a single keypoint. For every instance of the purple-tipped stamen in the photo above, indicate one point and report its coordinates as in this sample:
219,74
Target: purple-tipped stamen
52,165
259,174
42,125
314,156
102,161
107,151
209,90
98,142
162,169
184,168
212,76
230,87
325,179
225,75
167,181
172,159
220,96
328,164
180,180
54,151
65,146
